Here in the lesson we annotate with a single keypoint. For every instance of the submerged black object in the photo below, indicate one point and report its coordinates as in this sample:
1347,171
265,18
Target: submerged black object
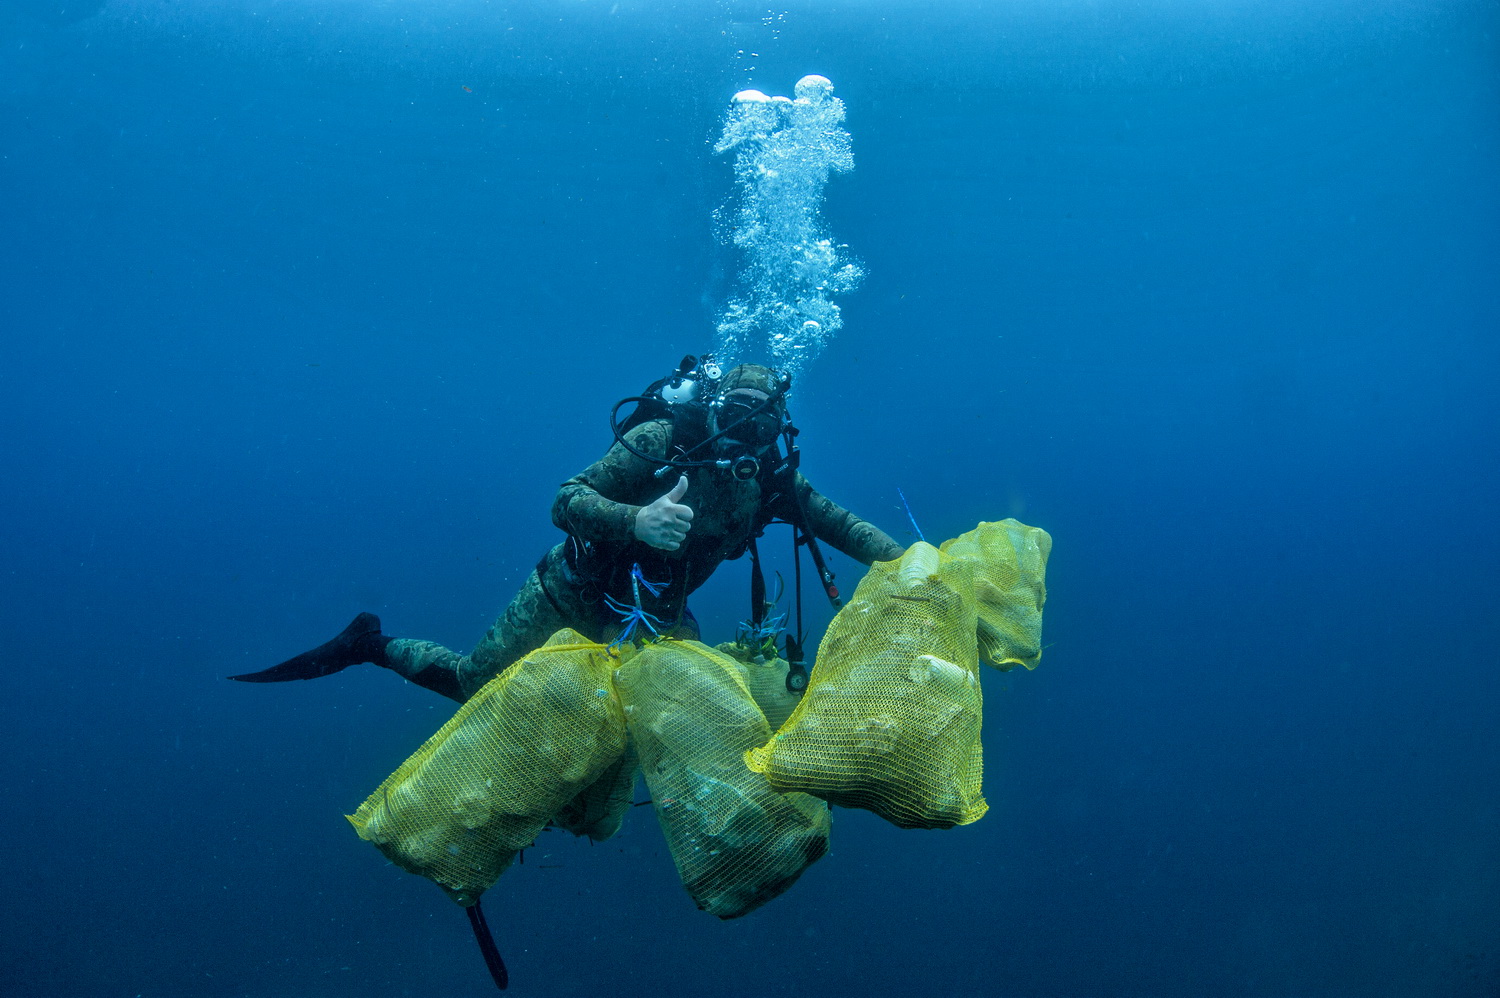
486,940
361,641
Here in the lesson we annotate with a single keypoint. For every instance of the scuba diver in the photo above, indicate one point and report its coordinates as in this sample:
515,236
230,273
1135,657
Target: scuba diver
705,461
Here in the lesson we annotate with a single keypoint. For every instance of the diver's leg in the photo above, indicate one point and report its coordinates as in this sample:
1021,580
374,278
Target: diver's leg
426,663
537,612
530,619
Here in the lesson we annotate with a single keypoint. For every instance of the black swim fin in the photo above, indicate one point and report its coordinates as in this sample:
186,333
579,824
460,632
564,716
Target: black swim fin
486,940
361,641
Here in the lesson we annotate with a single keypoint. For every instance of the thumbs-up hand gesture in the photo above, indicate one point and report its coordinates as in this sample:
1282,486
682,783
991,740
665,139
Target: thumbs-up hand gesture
664,524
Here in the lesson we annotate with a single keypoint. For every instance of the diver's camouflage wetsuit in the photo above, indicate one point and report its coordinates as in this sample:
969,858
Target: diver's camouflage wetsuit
597,508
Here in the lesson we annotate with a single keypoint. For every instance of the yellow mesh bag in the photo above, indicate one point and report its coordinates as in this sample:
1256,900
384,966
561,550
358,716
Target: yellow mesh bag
766,680
599,810
736,842
890,721
1010,565
485,785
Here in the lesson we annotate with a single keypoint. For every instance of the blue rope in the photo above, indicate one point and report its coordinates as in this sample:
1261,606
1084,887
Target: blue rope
635,617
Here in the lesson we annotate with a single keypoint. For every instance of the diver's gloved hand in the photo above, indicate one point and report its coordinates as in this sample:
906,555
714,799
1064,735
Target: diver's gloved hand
665,523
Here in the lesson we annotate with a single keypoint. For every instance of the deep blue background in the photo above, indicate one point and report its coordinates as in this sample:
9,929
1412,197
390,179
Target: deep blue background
293,324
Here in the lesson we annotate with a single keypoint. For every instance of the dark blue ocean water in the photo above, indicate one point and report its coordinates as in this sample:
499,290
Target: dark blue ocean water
307,308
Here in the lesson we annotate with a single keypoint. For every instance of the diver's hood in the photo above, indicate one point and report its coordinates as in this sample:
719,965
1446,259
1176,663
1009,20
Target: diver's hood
752,378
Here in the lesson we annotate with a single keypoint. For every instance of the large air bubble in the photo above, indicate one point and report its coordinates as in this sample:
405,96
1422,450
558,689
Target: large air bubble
791,268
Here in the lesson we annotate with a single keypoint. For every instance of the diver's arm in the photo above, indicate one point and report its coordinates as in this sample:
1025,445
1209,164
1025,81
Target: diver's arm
594,505
859,539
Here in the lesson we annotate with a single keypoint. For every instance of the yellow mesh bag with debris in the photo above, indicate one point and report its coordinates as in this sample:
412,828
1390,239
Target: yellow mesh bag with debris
485,785
600,808
766,680
1010,567
890,721
737,842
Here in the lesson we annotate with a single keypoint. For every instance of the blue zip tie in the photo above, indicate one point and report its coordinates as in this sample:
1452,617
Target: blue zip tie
907,506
